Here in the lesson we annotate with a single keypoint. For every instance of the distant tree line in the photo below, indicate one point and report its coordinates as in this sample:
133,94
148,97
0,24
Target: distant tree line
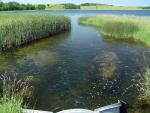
16,6
89,4
92,4
148,7
71,6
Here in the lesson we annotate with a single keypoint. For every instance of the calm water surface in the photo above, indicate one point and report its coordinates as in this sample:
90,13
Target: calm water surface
80,68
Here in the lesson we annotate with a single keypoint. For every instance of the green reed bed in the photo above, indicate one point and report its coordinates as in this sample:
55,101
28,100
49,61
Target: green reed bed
135,28
16,30
13,105
144,87
15,94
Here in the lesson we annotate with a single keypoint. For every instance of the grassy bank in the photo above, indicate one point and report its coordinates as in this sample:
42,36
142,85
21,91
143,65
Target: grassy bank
144,84
11,6
55,7
108,7
13,93
92,6
121,27
16,30
11,105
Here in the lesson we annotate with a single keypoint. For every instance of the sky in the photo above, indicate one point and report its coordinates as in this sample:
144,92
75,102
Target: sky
111,2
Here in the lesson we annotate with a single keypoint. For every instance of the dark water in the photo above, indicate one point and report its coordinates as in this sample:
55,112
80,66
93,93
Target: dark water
80,69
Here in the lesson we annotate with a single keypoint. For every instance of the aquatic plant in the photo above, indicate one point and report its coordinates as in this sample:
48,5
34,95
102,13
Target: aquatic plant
13,93
107,64
133,28
144,87
16,30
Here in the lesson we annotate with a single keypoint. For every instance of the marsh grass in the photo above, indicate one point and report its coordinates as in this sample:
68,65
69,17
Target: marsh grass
121,27
12,100
146,83
144,88
16,30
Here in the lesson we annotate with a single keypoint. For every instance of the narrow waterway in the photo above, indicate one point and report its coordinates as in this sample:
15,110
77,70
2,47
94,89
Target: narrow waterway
79,69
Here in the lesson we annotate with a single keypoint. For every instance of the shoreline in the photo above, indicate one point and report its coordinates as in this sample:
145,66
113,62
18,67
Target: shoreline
29,28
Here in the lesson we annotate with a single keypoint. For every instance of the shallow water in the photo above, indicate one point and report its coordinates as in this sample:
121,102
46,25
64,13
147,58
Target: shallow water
79,69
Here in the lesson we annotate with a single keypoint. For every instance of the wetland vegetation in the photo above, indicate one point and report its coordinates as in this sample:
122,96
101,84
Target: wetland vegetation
27,28
121,27
76,68
144,87
14,93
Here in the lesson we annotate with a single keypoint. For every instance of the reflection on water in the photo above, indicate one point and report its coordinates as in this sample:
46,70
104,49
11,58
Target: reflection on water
79,69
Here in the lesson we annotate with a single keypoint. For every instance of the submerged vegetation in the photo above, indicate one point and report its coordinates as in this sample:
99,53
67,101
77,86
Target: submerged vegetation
121,27
26,28
107,64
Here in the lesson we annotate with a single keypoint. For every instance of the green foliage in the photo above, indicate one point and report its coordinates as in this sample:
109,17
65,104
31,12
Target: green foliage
121,27
12,100
94,6
28,7
71,6
62,6
13,105
144,88
15,6
16,30
148,7
55,7
90,4
146,83
40,7
86,6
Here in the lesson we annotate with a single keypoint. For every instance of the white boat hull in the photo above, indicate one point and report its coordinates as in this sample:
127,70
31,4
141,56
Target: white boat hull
114,108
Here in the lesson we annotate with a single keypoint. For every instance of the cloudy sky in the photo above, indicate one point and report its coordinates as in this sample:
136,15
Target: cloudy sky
113,2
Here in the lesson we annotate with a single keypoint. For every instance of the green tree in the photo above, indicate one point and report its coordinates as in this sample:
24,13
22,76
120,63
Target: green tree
41,7
13,6
148,7
30,7
1,6
71,6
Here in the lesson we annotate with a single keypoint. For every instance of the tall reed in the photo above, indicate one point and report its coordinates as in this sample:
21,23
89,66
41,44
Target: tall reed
13,94
16,30
144,88
121,27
